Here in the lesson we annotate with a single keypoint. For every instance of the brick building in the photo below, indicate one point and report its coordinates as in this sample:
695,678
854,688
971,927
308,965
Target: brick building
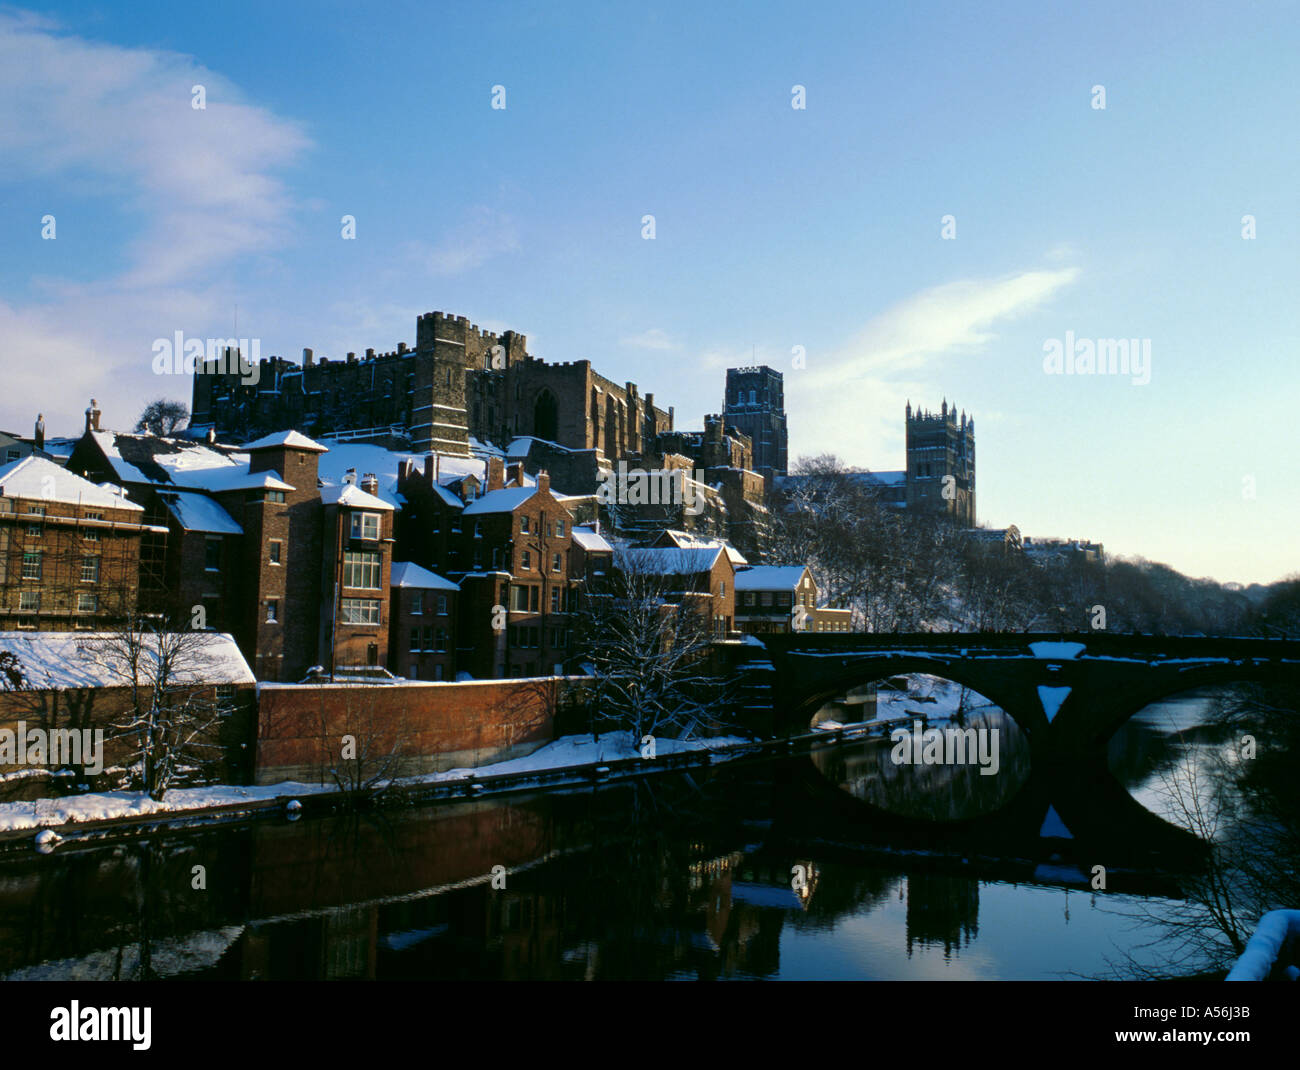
69,549
422,616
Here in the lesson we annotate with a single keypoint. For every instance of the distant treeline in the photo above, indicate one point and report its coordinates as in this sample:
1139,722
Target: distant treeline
903,572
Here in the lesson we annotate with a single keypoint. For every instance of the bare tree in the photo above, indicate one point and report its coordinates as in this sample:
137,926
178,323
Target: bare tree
12,675
362,752
163,418
646,641
172,713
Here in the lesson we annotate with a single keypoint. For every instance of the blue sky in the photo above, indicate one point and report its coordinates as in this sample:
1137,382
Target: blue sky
775,227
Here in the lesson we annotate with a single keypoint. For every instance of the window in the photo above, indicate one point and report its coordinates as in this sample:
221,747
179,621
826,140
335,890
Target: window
519,598
414,674
34,528
273,551
555,600
555,565
361,568
427,644
415,640
226,694
365,525
442,641
90,570
559,529
525,561
437,671
32,565
722,589
749,598
442,605
274,496
272,610
90,536
753,397
523,524
29,602
766,598
534,598
87,602
359,611
417,606
212,555
786,598
12,455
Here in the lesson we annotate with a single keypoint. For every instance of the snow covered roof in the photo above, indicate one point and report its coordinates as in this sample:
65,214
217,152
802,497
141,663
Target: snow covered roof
353,497
770,578
589,540
672,560
448,497
292,439
500,501
888,479
63,660
196,512
688,541
363,457
181,463
39,478
409,574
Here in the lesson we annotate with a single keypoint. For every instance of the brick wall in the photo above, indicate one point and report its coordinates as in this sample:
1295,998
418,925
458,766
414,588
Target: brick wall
433,727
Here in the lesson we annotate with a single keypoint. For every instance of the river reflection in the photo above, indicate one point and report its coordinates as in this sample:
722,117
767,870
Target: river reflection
749,869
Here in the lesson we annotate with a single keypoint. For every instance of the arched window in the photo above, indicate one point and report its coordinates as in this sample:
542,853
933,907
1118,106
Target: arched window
546,417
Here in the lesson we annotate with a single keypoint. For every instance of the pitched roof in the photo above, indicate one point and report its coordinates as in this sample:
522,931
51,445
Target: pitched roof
353,497
36,477
506,500
688,541
591,541
770,578
291,439
197,512
672,560
409,574
174,462
62,660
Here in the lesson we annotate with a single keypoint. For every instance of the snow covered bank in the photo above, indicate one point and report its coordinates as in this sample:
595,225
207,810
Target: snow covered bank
95,807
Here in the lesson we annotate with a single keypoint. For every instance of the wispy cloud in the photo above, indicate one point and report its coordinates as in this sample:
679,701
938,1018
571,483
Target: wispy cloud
654,338
880,366
485,235
197,188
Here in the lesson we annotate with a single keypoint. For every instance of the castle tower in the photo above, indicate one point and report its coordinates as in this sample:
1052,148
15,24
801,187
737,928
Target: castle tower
941,462
755,406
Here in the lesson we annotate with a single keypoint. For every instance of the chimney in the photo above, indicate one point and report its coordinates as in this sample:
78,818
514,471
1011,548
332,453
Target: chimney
404,469
92,416
350,477
543,480
370,483
370,354
515,474
352,358
39,437
495,474
308,358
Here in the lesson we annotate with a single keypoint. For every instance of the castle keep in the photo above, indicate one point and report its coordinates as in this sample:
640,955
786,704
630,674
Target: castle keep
458,383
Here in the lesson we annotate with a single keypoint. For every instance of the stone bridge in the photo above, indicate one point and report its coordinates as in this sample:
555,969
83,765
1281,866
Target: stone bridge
1067,692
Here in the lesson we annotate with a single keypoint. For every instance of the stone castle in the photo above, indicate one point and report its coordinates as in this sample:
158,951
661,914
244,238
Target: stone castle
458,383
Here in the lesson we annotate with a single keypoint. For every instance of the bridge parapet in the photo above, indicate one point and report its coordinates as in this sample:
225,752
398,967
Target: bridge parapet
1068,692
